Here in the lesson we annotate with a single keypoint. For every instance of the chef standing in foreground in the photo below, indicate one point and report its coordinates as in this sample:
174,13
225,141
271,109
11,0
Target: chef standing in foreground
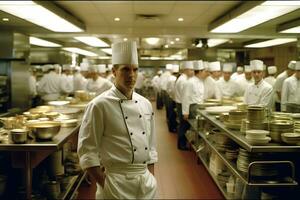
117,133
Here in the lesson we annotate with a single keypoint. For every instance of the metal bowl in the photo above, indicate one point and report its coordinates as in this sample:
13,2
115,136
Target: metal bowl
45,130
19,136
52,115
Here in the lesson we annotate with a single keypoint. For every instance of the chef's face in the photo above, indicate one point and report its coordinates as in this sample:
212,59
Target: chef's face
215,74
297,74
226,75
290,72
125,76
189,72
203,74
248,75
257,75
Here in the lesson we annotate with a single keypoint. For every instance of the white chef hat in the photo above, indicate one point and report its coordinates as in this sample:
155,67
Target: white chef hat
57,66
206,65
101,68
239,69
159,72
93,68
85,60
109,67
175,68
66,67
46,68
124,53
84,66
187,65
257,65
227,67
292,64
169,67
247,68
198,65
215,66
297,67
272,70
77,68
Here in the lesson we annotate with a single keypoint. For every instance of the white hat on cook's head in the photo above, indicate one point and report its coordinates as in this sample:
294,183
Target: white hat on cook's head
84,66
297,67
187,65
257,65
159,72
57,66
125,53
101,68
292,64
109,67
214,66
198,65
77,68
247,68
93,68
66,67
175,68
272,70
239,69
206,65
169,66
227,67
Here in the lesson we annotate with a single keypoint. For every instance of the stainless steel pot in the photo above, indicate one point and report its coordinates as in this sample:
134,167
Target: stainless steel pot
19,136
44,130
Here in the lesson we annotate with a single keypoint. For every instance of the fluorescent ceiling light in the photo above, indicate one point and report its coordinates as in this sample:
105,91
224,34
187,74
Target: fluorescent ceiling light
42,43
108,51
273,42
80,51
5,19
104,57
152,40
292,30
177,39
259,14
180,19
166,46
117,19
213,42
172,42
39,15
125,39
92,41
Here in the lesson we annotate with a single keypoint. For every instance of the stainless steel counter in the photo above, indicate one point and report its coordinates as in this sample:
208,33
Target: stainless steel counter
241,140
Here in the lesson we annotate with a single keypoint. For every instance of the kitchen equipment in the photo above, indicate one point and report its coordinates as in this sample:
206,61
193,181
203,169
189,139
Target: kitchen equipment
256,114
44,130
278,127
58,103
290,138
31,116
52,115
82,95
219,109
19,136
241,106
68,113
41,109
68,122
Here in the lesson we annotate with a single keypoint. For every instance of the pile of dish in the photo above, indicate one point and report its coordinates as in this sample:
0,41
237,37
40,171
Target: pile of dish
280,126
256,114
219,109
281,116
235,119
231,154
245,158
222,142
257,137
291,138
223,178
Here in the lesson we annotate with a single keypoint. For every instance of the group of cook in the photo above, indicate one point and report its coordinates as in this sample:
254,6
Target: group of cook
200,80
58,81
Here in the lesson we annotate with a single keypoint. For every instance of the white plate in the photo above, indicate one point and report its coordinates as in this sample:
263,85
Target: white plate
219,109
58,103
265,140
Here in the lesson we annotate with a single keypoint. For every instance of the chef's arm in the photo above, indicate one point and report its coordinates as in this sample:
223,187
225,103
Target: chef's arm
97,174
151,168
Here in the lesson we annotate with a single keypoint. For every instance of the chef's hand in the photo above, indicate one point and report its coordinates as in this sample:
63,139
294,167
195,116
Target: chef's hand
185,117
97,174
151,168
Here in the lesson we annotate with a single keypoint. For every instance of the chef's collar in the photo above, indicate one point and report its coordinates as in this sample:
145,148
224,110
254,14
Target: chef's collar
121,95
259,83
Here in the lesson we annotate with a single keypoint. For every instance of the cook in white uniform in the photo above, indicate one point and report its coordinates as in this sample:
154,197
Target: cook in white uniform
117,132
163,83
215,70
279,82
67,79
272,70
259,93
97,83
156,85
193,91
109,75
139,82
80,81
211,90
101,70
239,72
291,89
228,87
245,80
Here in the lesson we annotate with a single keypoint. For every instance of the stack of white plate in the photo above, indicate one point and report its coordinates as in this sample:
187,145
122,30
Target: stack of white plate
257,137
219,109
290,138
231,154
245,158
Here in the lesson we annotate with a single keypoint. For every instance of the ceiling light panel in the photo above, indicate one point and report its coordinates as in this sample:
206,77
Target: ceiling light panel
42,43
92,41
273,42
108,51
152,40
37,14
80,51
292,30
259,14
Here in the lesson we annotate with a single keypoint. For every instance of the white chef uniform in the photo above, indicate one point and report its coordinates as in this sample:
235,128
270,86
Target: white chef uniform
228,88
119,134
80,82
171,83
165,77
67,83
139,80
271,78
215,67
181,80
243,82
32,86
98,86
260,94
211,90
236,74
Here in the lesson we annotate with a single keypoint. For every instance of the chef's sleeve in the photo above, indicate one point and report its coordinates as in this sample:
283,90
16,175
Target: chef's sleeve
284,95
186,96
152,143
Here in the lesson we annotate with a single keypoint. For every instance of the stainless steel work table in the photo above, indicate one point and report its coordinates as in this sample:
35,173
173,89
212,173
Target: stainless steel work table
29,155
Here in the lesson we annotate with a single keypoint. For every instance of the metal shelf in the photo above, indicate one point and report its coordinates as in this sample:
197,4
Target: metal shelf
241,140
73,186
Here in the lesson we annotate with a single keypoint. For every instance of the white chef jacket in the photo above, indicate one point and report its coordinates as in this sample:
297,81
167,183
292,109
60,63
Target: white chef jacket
260,94
193,93
155,82
98,86
49,87
80,82
32,86
139,80
271,80
179,87
211,90
171,87
111,78
235,75
290,92
67,83
279,83
228,88
164,80
115,132
243,83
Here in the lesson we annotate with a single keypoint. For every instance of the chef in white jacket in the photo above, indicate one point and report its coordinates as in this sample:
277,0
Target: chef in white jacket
193,91
291,89
259,93
211,90
97,83
67,79
80,81
228,87
239,72
117,132
272,70
245,79
215,70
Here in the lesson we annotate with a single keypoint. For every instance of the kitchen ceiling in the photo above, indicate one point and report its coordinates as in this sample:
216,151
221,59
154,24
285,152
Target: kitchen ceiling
142,19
